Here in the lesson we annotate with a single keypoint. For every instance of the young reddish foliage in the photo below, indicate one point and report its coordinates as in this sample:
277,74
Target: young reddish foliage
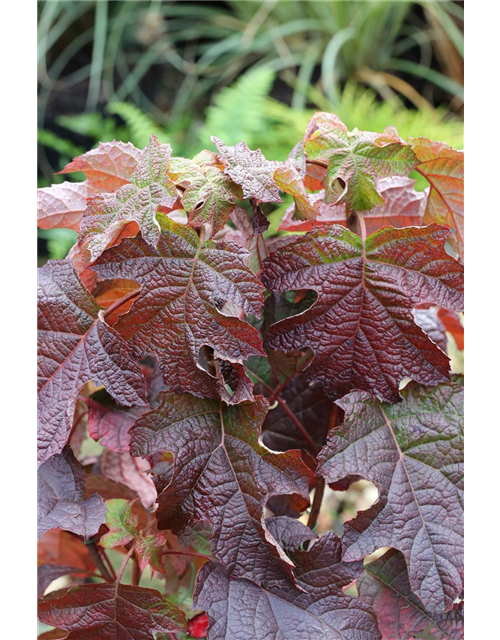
225,374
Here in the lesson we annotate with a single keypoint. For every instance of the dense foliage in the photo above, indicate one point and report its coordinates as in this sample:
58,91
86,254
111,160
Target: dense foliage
226,373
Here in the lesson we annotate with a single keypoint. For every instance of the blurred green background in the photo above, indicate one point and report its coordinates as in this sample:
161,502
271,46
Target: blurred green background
253,71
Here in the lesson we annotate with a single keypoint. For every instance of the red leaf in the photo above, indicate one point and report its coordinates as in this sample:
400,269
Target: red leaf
75,346
443,167
58,547
197,626
132,472
384,585
413,452
111,612
62,205
187,300
61,497
221,475
451,322
108,167
361,327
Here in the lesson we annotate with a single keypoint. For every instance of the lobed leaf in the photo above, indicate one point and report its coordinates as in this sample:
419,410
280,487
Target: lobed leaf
361,327
356,160
221,475
111,217
75,346
413,452
189,291
315,608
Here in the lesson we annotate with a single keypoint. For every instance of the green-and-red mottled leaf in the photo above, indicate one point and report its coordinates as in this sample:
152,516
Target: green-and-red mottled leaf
443,168
121,522
222,476
188,297
76,345
356,160
209,196
361,327
111,612
413,452
133,207
384,585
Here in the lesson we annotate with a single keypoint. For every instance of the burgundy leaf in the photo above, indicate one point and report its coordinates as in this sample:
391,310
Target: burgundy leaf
75,346
384,585
131,472
189,291
309,405
361,327
108,167
110,424
250,170
47,573
111,612
316,608
413,452
61,497
111,217
62,205
429,321
222,476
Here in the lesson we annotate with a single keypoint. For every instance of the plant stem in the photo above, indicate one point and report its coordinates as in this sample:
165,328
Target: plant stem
96,557
125,560
317,500
136,571
174,552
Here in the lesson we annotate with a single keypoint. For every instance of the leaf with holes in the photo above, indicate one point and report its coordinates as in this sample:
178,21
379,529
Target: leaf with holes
111,217
108,167
413,452
222,476
61,497
315,608
250,169
111,612
191,296
443,168
361,327
62,205
75,346
384,585
356,160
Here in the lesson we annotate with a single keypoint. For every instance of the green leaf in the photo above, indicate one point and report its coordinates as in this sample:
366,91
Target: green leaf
122,524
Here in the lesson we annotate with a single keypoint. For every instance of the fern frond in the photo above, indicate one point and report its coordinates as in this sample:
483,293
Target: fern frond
139,124
237,112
